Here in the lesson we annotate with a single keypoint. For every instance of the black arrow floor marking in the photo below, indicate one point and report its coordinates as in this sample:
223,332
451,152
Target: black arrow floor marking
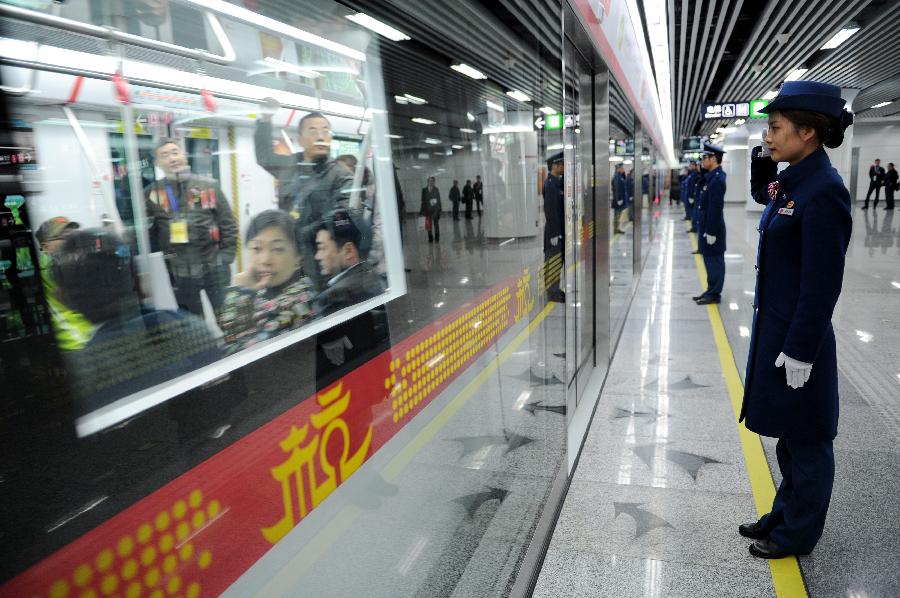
684,384
473,444
690,462
644,520
536,380
472,502
539,406
651,415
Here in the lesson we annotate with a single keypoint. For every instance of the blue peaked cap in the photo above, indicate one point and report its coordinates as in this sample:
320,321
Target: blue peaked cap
813,96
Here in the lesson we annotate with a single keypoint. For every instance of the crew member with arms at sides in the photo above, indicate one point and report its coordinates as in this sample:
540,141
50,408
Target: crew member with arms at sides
791,388
192,224
711,240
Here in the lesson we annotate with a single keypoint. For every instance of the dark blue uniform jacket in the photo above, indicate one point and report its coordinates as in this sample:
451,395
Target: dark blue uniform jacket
803,239
691,187
712,217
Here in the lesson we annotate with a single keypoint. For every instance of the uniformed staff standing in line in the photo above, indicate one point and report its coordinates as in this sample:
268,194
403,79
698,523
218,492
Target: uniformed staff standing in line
193,225
804,233
711,224
687,190
695,198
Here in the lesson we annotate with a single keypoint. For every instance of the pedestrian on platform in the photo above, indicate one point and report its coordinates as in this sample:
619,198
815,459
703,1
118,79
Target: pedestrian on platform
890,186
804,233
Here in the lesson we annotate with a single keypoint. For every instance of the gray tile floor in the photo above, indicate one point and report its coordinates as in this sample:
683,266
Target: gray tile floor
661,483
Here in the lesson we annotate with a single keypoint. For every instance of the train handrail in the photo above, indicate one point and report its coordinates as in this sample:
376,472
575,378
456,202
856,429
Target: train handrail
23,90
228,55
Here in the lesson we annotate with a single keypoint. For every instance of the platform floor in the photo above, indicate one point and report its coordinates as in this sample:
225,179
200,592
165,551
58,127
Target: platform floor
662,481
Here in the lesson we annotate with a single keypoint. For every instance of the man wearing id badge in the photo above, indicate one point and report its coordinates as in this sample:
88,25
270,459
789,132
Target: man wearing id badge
193,225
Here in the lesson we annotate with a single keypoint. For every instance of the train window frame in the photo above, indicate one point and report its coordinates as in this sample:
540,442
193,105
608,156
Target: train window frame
370,113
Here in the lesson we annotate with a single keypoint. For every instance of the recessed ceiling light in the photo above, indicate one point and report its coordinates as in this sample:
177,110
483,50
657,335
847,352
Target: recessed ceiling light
378,27
391,136
470,116
415,100
432,141
456,146
740,121
770,95
518,95
493,105
468,71
840,37
796,74
401,99
468,131
548,110
423,121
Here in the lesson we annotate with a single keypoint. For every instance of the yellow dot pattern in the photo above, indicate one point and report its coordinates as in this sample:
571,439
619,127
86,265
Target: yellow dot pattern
158,558
550,272
416,376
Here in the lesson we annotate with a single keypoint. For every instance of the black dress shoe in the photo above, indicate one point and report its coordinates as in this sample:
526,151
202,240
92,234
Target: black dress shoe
767,549
752,530
697,298
691,230
696,252
708,300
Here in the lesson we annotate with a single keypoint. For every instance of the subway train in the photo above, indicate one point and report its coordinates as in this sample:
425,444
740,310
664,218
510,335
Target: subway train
184,415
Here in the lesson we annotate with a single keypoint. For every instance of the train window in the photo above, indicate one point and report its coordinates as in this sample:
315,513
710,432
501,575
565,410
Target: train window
206,186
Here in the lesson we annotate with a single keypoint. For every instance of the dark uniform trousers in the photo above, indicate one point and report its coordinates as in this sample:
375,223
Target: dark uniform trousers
715,274
797,518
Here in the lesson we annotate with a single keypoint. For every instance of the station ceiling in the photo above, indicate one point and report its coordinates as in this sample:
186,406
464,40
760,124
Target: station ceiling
737,50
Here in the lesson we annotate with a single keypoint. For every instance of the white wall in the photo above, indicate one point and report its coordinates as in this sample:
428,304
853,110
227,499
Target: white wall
875,141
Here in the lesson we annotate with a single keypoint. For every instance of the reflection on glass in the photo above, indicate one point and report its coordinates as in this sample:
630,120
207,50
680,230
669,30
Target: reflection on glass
622,195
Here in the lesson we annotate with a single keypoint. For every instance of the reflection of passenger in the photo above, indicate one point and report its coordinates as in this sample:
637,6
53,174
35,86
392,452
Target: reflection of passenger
620,197
192,224
478,190
430,207
352,279
455,199
72,330
272,296
310,185
130,349
554,225
468,197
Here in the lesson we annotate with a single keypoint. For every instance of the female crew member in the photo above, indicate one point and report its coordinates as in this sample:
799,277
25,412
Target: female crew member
791,387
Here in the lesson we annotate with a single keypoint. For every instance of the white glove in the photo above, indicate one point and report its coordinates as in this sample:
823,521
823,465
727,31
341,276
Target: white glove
710,239
335,350
554,241
796,372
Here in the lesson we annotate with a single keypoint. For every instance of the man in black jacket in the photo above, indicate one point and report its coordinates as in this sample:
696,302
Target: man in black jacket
309,184
876,180
468,195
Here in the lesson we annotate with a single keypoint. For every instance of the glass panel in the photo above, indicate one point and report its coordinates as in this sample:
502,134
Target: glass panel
243,351
621,165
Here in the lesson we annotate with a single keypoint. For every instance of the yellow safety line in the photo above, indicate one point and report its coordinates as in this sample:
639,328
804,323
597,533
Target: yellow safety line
786,576
309,554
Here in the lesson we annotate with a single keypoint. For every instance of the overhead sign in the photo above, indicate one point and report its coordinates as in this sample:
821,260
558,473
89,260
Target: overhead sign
726,110
756,106
554,122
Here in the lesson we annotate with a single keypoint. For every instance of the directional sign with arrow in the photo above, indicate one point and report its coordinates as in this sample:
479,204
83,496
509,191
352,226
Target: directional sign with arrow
644,520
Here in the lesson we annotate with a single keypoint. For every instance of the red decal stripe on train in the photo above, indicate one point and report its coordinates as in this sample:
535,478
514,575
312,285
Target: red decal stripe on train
197,534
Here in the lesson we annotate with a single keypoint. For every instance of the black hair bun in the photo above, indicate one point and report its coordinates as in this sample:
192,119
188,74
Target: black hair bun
835,135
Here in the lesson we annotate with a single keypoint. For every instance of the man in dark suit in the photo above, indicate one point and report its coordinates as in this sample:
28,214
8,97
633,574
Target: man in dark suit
876,180
554,220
